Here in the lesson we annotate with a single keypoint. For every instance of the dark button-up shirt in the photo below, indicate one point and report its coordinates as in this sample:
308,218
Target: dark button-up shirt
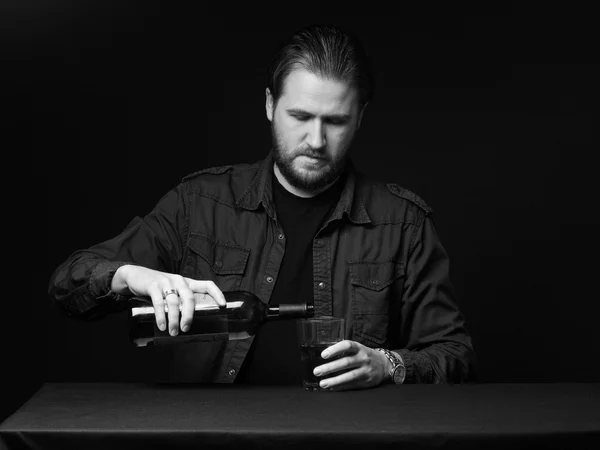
377,262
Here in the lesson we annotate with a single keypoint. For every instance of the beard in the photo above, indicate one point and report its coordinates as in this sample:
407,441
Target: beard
308,179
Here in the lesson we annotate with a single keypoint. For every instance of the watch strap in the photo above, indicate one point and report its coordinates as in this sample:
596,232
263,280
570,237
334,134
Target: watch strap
394,360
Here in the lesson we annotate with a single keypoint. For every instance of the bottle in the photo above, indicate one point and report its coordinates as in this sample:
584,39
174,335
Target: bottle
239,319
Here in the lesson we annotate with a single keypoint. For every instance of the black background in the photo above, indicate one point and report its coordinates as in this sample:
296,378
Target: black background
491,118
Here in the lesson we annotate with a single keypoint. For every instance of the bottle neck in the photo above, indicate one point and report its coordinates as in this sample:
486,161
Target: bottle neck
291,311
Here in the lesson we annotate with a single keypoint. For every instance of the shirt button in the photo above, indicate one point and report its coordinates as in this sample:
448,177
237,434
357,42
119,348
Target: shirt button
375,282
269,279
319,243
231,372
280,236
322,285
219,264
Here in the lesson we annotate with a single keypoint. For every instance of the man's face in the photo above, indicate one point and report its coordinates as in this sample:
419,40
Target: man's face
313,125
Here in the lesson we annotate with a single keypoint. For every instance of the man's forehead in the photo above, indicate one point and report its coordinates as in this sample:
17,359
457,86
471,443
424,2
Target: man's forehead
304,89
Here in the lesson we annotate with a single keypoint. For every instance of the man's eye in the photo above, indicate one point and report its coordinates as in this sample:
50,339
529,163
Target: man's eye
336,122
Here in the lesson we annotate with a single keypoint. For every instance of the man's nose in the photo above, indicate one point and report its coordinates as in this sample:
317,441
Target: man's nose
316,138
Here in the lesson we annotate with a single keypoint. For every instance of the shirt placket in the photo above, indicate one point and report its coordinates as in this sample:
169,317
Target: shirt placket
235,354
322,276
236,351
273,264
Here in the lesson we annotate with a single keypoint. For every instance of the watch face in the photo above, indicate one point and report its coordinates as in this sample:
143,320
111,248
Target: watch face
399,373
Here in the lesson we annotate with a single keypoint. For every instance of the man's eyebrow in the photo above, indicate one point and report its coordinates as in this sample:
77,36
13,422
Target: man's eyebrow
302,112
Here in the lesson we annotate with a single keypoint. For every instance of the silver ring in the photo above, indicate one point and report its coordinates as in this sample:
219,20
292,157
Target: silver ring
169,292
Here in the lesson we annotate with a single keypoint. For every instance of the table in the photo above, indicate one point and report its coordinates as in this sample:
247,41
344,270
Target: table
109,415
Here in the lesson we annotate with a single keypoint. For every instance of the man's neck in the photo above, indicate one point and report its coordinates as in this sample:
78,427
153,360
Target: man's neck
297,191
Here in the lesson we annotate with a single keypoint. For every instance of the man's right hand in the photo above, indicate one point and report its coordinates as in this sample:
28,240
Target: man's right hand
137,280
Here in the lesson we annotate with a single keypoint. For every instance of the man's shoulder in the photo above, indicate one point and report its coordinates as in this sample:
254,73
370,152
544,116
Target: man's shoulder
385,200
213,172
224,184
410,196
217,170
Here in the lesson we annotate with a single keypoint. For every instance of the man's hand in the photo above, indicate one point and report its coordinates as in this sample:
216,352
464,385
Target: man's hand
362,367
137,280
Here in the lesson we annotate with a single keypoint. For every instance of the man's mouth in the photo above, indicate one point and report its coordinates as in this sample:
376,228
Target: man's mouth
313,157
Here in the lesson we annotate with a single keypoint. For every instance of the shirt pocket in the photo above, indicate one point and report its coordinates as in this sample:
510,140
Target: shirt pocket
219,261
373,286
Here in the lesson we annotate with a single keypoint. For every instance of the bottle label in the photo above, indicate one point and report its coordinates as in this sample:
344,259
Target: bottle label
199,307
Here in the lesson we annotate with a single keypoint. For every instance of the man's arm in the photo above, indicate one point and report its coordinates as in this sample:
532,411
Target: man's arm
434,343
436,346
81,285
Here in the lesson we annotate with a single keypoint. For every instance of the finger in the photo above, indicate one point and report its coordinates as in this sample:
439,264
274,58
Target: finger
187,302
173,303
344,363
342,347
207,287
346,378
159,307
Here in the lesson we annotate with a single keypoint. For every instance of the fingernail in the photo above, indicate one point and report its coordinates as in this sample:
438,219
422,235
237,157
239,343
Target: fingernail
174,332
161,326
324,385
185,328
317,372
325,355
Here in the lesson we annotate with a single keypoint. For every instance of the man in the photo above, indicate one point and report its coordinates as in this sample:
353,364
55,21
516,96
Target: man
300,225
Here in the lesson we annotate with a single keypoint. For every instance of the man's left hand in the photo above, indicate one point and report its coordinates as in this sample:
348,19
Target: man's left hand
362,367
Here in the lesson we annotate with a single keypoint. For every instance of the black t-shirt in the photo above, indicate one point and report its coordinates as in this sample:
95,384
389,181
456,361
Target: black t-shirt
274,357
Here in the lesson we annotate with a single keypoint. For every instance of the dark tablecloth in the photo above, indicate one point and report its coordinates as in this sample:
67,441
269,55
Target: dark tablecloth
107,415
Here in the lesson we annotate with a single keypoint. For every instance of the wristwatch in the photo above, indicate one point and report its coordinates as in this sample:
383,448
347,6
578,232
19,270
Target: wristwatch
398,370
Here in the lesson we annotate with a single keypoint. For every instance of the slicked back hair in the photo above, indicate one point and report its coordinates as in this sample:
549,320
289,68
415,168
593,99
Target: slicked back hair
328,52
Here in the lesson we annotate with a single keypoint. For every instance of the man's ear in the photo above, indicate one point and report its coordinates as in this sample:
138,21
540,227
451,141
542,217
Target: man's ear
360,115
269,103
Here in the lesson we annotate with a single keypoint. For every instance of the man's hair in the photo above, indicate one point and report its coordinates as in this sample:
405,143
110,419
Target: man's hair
328,52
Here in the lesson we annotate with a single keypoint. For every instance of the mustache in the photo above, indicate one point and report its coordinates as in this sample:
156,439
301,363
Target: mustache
312,153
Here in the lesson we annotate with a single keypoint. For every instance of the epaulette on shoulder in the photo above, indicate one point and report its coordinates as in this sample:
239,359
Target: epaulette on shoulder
214,170
410,196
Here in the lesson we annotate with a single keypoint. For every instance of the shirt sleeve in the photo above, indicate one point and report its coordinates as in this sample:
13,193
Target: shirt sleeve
437,347
81,284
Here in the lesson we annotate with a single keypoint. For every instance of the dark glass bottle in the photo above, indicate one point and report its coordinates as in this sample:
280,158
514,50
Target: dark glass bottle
240,319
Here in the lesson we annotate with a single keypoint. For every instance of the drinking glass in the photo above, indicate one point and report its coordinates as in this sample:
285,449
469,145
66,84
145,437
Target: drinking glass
315,334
